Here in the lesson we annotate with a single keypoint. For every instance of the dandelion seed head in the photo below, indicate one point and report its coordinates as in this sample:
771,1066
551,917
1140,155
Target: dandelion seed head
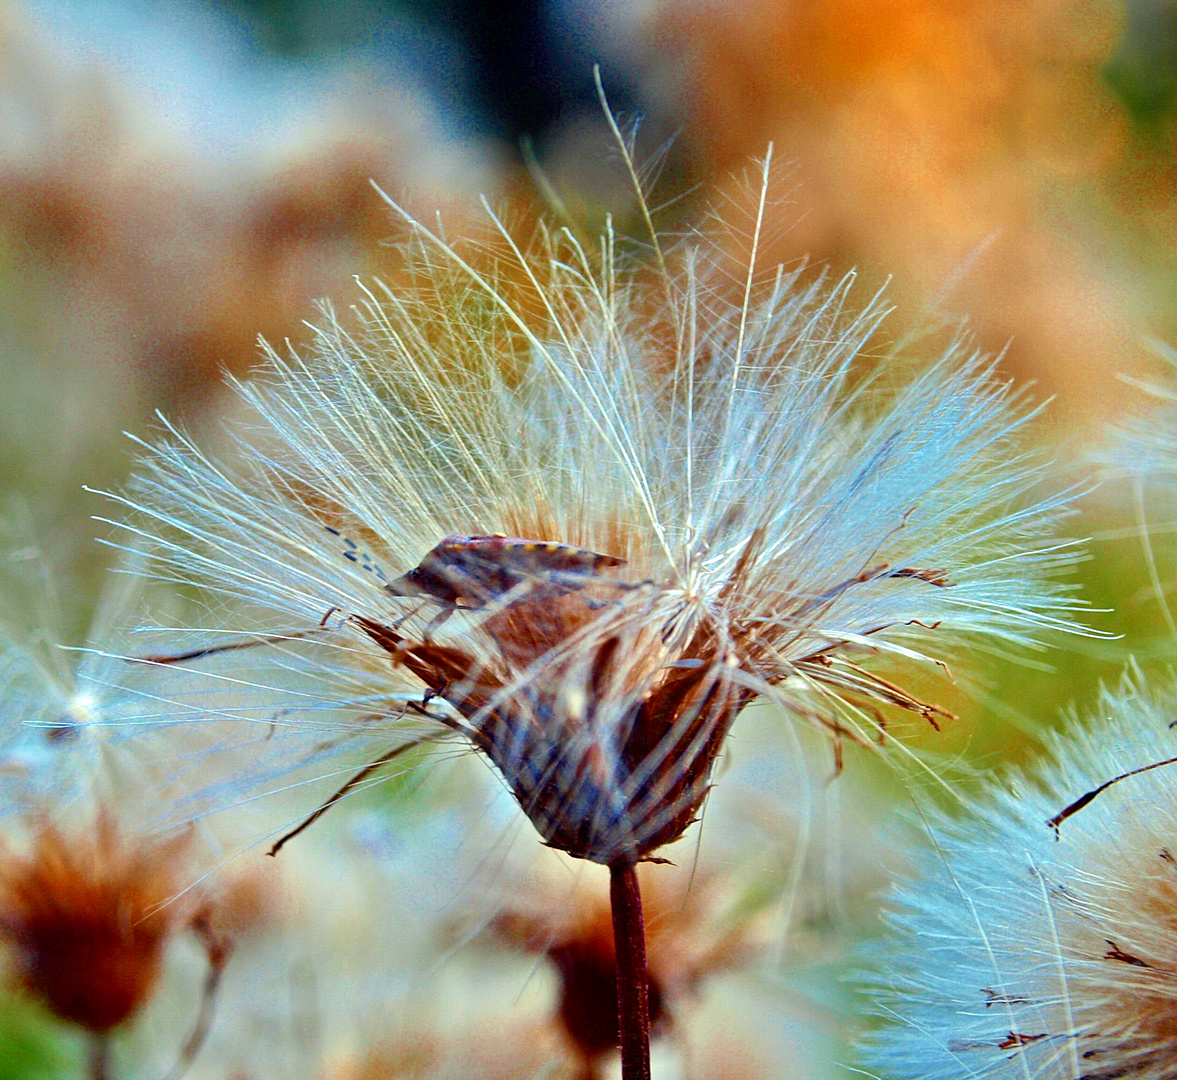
700,925
627,505
67,712
1016,955
55,699
96,877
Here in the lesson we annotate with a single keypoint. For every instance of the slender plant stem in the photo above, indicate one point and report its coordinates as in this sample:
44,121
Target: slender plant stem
99,1057
633,989
218,950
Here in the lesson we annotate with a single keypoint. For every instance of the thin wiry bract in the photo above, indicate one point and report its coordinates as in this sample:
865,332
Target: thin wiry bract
782,510
1013,955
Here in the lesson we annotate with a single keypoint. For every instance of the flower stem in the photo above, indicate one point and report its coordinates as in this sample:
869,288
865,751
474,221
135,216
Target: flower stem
629,943
99,1057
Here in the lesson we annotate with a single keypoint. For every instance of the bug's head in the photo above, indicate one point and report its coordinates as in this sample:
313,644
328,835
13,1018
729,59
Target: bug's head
408,585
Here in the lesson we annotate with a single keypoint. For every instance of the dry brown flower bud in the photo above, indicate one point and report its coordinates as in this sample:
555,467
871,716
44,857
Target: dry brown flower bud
87,915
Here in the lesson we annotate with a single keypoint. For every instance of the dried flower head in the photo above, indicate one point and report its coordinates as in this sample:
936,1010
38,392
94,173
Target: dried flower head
699,926
1016,954
68,708
86,914
96,880
584,531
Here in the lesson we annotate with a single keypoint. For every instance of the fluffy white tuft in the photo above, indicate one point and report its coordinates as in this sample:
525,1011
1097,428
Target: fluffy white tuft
787,506
1016,955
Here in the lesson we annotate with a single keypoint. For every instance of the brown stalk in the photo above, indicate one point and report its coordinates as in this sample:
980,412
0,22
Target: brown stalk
218,950
633,999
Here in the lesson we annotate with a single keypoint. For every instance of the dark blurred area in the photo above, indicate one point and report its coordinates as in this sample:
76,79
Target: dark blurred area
515,69
1143,69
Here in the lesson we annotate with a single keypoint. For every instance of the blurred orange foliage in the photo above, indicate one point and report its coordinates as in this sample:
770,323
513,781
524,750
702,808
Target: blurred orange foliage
959,147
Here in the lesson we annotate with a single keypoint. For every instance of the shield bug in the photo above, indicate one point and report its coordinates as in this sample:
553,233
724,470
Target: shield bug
470,571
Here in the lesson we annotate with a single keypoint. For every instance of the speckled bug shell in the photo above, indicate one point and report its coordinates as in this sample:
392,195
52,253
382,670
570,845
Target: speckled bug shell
472,570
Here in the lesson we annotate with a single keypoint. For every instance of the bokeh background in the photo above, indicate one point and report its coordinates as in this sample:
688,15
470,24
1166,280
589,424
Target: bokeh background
178,179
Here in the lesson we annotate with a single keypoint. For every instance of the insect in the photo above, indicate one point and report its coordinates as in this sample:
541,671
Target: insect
460,571
470,571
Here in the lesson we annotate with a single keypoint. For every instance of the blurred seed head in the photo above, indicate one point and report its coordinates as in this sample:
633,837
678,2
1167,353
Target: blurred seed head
100,866
1015,955
699,925
86,914
1143,445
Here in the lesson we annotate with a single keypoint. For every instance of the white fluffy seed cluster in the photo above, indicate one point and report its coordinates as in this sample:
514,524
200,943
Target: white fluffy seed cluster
1016,955
786,506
